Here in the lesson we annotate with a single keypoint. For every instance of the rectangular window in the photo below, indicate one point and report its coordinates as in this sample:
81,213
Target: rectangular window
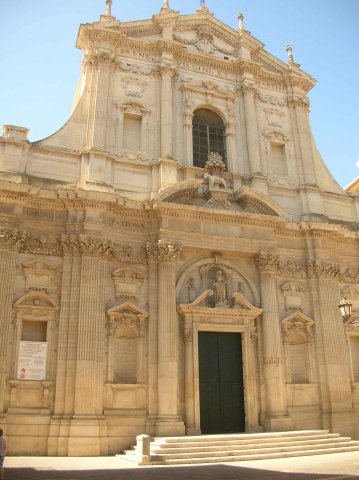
354,349
132,126
33,331
278,160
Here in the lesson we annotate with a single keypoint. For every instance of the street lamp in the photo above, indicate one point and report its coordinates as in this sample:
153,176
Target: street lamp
345,310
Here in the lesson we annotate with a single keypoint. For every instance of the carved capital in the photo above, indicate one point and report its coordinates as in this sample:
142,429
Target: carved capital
162,251
299,102
187,333
94,246
11,239
267,262
322,269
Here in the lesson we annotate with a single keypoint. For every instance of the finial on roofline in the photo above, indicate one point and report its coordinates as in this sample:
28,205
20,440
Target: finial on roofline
290,54
166,4
240,21
108,8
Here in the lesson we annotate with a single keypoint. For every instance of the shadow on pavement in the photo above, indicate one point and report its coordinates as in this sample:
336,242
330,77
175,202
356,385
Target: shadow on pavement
202,472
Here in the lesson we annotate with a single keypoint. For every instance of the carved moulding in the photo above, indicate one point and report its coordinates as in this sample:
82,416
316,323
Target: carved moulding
126,321
297,329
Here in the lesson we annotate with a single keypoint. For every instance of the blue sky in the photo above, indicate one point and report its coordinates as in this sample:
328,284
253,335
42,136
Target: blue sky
40,65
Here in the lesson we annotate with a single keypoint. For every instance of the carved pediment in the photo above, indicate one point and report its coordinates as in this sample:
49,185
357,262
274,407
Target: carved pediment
297,328
38,302
126,321
254,201
207,88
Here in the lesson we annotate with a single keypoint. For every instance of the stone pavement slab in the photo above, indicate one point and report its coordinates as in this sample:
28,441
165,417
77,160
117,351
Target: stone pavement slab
342,466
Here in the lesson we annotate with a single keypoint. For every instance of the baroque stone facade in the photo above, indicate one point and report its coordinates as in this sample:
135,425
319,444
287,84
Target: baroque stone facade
118,248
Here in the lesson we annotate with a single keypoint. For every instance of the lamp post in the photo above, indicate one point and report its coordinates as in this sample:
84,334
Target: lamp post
345,309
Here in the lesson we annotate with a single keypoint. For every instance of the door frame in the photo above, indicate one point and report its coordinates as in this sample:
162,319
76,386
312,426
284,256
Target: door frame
196,319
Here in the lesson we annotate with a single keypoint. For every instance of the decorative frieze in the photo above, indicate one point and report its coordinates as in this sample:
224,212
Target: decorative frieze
319,268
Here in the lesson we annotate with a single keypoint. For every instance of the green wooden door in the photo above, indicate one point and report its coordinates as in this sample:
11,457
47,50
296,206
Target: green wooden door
221,382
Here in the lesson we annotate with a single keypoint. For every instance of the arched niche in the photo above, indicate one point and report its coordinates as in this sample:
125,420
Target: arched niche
199,275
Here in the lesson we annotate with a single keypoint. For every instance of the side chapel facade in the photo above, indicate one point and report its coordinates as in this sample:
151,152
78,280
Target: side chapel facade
171,260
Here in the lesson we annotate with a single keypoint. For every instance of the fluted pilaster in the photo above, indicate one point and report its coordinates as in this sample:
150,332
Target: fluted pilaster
68,325
276,415
248,92
332,343
166,254
166,111
10,243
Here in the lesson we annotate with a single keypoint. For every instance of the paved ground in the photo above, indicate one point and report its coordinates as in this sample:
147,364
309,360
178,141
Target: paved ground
339,466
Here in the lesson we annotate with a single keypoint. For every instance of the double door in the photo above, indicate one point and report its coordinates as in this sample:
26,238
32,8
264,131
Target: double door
221,383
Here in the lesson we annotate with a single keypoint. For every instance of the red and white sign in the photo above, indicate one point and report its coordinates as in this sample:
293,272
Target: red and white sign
32,361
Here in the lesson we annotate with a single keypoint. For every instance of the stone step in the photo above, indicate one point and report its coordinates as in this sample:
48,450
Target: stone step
239,452
242,436
253,456
247,441
223,446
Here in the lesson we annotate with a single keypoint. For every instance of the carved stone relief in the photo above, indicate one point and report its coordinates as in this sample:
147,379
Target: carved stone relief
293,295
39,275
297,328
126,321
127,283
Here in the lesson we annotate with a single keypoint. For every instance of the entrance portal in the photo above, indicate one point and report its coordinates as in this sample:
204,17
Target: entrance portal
221,382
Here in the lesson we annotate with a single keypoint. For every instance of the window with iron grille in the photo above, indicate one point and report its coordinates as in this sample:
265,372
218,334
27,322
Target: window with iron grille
208,136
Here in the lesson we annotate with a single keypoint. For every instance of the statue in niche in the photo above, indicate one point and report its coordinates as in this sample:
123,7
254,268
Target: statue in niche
192,292
220,287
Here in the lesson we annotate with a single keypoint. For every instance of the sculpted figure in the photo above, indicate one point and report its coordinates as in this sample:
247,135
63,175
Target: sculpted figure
220,287
213,180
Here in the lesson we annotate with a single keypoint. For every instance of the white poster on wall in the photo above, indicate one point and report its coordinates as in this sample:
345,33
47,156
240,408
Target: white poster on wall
32,361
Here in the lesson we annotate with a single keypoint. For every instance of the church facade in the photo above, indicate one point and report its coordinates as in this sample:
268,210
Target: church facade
172,259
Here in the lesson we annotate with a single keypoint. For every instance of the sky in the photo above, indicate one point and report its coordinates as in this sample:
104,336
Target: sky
40,65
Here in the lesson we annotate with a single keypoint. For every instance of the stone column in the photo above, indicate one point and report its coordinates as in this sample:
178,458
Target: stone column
10,242
168,421
248,90
336,383
167,74
189,380
88,424
276,418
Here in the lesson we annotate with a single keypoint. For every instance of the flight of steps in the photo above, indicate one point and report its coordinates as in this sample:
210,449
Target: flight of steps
240,447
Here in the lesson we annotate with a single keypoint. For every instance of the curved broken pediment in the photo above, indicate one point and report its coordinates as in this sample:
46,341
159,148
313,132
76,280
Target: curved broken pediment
254,201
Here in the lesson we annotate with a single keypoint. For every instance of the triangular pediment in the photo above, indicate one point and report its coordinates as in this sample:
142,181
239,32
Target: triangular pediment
127,308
